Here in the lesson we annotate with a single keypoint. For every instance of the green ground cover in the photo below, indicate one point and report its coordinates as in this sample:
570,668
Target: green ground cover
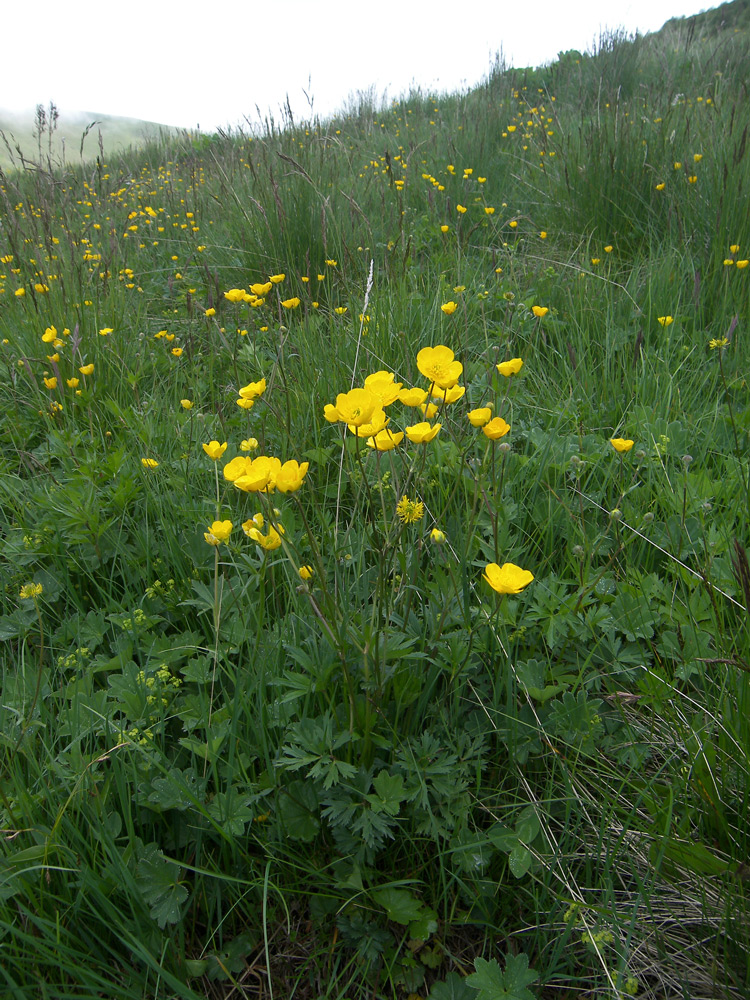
374,527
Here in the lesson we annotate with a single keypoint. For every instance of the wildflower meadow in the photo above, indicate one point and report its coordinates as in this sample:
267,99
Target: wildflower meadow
374,524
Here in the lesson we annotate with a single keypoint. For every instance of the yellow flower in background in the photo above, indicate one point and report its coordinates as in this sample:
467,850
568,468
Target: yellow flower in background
86,369
451,395
149,463
496,429
235,295
252,390
218,532
697,157
30,591
382,384
540,311
261,289
268,542
508,368
460,209
741,264
542,235
186,404
438,364
665,320
40,288
443,229
480,416
718,342
305,572
735,248
423,433
177,351
290,303
49,335
106,330
340,310
249,444
437,536
210,312
513,224
72,383
678,165
385,440
51,383
275,279
214,450
412,397
508,578
449,308
331,263
660,187
409,511
291,475
621,444
429,410
245,404
489,210
608,249
19,293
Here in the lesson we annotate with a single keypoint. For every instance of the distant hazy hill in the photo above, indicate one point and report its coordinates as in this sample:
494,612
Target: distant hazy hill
76,136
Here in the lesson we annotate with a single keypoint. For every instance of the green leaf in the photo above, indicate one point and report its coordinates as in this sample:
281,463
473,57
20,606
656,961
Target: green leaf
425,926
158,880
401,905
390,793
519,860
453,987
299,810
493,984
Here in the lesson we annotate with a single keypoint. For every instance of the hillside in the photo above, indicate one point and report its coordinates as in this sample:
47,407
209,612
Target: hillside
75,138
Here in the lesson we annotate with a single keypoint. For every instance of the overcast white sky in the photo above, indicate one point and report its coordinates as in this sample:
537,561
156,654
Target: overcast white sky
209,64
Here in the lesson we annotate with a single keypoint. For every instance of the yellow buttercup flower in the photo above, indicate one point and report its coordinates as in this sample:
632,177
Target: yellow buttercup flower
480,416
357,406
291,475
235,295
290,303
268,542
72,383
741,264
438,364
664,320
186,404
385,440
496,429
621,444
508,578
382,384
412,397
508,368
252,390
437,536
305,572
451,395
149,463
423,433
51,383
540,311
275,279
214,450
218,532
249,444
449,308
